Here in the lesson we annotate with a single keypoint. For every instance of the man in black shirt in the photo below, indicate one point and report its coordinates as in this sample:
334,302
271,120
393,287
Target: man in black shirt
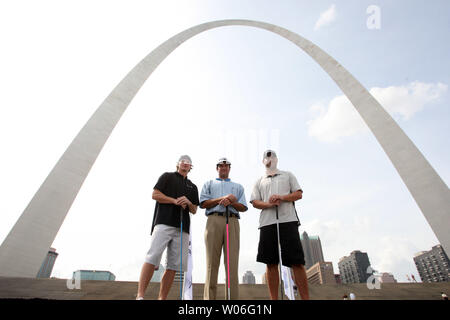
172,192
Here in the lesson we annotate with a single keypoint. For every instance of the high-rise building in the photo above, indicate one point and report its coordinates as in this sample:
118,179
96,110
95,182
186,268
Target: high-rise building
93,275
354,268
248,278
312,248
320,273
47,265
433,265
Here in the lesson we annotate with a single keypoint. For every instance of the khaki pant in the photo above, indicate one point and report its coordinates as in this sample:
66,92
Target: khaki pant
215,241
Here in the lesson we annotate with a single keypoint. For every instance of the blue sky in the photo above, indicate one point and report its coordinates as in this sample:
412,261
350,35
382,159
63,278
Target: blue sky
231,91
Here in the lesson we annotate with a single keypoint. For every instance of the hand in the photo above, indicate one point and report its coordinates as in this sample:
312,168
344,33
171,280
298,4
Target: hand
274,204
176,202
183,202
275,198
225,202
232,198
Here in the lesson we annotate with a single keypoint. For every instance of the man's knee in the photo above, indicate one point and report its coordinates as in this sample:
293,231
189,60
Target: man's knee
299,267
170,272
272,267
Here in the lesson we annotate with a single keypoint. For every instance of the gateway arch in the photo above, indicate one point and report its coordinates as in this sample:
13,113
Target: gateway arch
25,247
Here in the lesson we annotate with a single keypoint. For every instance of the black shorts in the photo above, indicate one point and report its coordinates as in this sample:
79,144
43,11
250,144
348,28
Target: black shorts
291,246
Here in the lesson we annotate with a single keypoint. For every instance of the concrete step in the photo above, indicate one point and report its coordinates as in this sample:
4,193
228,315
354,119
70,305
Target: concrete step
28,288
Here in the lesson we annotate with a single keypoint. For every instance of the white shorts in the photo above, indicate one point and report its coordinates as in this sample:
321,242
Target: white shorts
168,237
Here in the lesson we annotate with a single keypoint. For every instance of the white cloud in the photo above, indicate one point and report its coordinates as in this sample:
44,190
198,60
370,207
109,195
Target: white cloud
407,100
326,17
340,119
396,256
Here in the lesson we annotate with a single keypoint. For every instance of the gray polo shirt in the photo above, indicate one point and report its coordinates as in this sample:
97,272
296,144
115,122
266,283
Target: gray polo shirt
282,183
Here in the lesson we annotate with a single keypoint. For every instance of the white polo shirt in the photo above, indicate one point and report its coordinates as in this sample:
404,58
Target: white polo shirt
282,183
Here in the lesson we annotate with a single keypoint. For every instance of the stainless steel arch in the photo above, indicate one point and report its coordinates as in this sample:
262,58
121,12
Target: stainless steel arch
25,247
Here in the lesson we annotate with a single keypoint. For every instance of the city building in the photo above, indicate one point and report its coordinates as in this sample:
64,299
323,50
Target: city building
320,273
312,248
94,275
386,277
47,265
248,278
433,265
354,268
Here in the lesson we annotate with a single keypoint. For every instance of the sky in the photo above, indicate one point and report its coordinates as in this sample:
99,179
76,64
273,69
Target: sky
232,91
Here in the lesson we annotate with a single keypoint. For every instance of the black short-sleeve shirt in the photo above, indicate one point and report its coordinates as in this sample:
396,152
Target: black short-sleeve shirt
173,184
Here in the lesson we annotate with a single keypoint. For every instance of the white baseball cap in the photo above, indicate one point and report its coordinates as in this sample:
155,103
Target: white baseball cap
223,160
269,153
185,158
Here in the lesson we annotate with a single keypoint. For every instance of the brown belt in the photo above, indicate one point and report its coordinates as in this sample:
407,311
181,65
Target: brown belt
231,214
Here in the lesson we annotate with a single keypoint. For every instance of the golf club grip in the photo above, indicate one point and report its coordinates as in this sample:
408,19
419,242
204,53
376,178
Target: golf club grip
226,213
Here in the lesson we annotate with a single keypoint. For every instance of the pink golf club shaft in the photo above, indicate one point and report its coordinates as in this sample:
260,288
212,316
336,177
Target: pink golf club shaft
228,257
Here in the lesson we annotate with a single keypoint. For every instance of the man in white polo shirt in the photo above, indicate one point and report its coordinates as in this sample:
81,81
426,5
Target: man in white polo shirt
279,188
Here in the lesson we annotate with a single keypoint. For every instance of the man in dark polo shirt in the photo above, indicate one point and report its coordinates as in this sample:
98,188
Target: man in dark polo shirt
172,192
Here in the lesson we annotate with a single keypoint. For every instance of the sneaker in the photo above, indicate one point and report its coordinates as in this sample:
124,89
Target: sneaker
139,298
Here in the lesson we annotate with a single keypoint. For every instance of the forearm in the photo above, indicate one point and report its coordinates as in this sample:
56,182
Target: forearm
192,208
208,204
239,207
294,196
258,204
161,197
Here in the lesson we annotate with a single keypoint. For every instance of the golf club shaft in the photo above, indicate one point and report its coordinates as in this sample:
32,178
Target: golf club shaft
228,254
279,253
181,253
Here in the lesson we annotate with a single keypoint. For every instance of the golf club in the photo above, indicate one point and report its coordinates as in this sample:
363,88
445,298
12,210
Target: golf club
228,254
